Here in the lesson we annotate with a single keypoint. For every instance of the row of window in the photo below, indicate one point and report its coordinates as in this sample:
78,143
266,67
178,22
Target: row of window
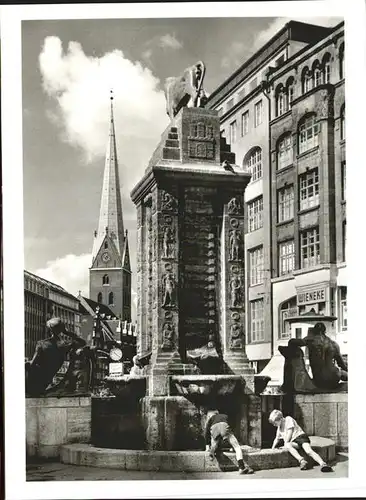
310,79
308,198
309,255
318,74
245,122
308,138
288,309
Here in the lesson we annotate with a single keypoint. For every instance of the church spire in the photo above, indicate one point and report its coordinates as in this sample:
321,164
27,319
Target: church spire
110,215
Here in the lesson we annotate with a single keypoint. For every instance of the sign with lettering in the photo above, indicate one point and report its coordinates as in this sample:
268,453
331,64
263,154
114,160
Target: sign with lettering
311,297
115,368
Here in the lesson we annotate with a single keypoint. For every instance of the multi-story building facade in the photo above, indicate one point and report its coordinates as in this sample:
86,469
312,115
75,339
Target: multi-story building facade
308,182
257,105
43,300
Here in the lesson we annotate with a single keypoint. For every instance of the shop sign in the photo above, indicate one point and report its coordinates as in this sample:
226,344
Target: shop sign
115,368
311,297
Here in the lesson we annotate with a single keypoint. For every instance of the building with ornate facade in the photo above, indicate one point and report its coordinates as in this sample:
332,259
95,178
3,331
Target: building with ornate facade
110,272
283,113
43,300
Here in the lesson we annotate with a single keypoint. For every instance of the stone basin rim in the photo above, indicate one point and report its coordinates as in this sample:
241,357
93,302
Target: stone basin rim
125,378
206,378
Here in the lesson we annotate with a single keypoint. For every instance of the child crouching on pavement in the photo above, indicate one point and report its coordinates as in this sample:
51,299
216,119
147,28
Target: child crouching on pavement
217,430
294,438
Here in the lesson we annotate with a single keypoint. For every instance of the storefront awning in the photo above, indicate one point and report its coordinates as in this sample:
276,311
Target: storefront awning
310,316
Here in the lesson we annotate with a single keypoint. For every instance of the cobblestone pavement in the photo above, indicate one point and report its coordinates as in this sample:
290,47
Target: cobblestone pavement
55,471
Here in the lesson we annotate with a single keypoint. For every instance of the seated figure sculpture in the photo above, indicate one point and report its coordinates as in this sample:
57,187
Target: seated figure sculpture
327,365
48,358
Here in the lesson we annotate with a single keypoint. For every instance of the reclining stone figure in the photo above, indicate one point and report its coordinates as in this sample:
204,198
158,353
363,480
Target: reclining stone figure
48,358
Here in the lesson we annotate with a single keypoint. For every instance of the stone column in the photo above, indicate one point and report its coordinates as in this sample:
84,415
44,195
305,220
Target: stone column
165,281
139,339
232,288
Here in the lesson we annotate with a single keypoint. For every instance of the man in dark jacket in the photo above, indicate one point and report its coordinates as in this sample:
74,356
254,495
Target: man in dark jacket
217,428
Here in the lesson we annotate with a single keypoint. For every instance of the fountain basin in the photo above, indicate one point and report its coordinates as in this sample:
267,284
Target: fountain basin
205,385
190,461
126,386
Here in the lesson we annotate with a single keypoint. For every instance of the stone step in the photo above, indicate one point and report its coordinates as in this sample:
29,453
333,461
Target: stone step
173,135
172,143
171,154
190,460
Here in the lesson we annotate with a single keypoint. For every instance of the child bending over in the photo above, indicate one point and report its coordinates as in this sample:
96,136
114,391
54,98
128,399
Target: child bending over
294,438
217,428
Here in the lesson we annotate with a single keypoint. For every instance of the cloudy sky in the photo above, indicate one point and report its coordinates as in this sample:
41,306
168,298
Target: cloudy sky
69,67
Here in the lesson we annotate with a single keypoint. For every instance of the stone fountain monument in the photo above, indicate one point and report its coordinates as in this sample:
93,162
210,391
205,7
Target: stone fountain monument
190,312
190,272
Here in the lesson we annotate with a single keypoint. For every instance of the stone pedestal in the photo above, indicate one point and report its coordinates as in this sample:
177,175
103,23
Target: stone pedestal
325,415
190,264
52,422
191,250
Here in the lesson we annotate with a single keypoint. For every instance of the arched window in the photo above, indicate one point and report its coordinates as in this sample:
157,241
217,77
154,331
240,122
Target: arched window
343,124
106,279
100,298
317,74
287,310
281,101
253,162
308,135
307,81
106,244
284,151
290,91
326,68
110,299
341,61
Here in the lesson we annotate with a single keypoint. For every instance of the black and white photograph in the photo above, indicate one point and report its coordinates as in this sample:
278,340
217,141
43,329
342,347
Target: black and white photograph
177,267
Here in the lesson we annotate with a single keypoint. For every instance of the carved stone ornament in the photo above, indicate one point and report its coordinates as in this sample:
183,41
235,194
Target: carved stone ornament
234,223
168,202
235,286
234,245
168,333
235,330
168,283
325,105
234,206
168,243
236,343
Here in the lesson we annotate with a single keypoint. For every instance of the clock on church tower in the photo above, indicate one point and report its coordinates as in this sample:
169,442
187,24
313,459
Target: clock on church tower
106,257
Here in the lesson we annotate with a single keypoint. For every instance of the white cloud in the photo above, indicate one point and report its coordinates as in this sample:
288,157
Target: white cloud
170,42
71,272
264,36
80,85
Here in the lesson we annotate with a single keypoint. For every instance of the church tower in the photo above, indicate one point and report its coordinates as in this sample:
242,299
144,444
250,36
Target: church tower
110,272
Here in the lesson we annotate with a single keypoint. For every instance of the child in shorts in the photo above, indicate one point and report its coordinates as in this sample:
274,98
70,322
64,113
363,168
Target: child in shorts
294,438
217,428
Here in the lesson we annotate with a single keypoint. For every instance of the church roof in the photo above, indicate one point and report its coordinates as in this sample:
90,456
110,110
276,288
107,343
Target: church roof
103,309
110,214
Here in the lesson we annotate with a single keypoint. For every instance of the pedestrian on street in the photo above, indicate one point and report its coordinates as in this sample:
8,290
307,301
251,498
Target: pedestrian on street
217,430
293,437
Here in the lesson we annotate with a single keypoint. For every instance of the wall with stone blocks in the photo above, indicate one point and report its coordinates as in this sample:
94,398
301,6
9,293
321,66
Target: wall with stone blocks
324,415
52,422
